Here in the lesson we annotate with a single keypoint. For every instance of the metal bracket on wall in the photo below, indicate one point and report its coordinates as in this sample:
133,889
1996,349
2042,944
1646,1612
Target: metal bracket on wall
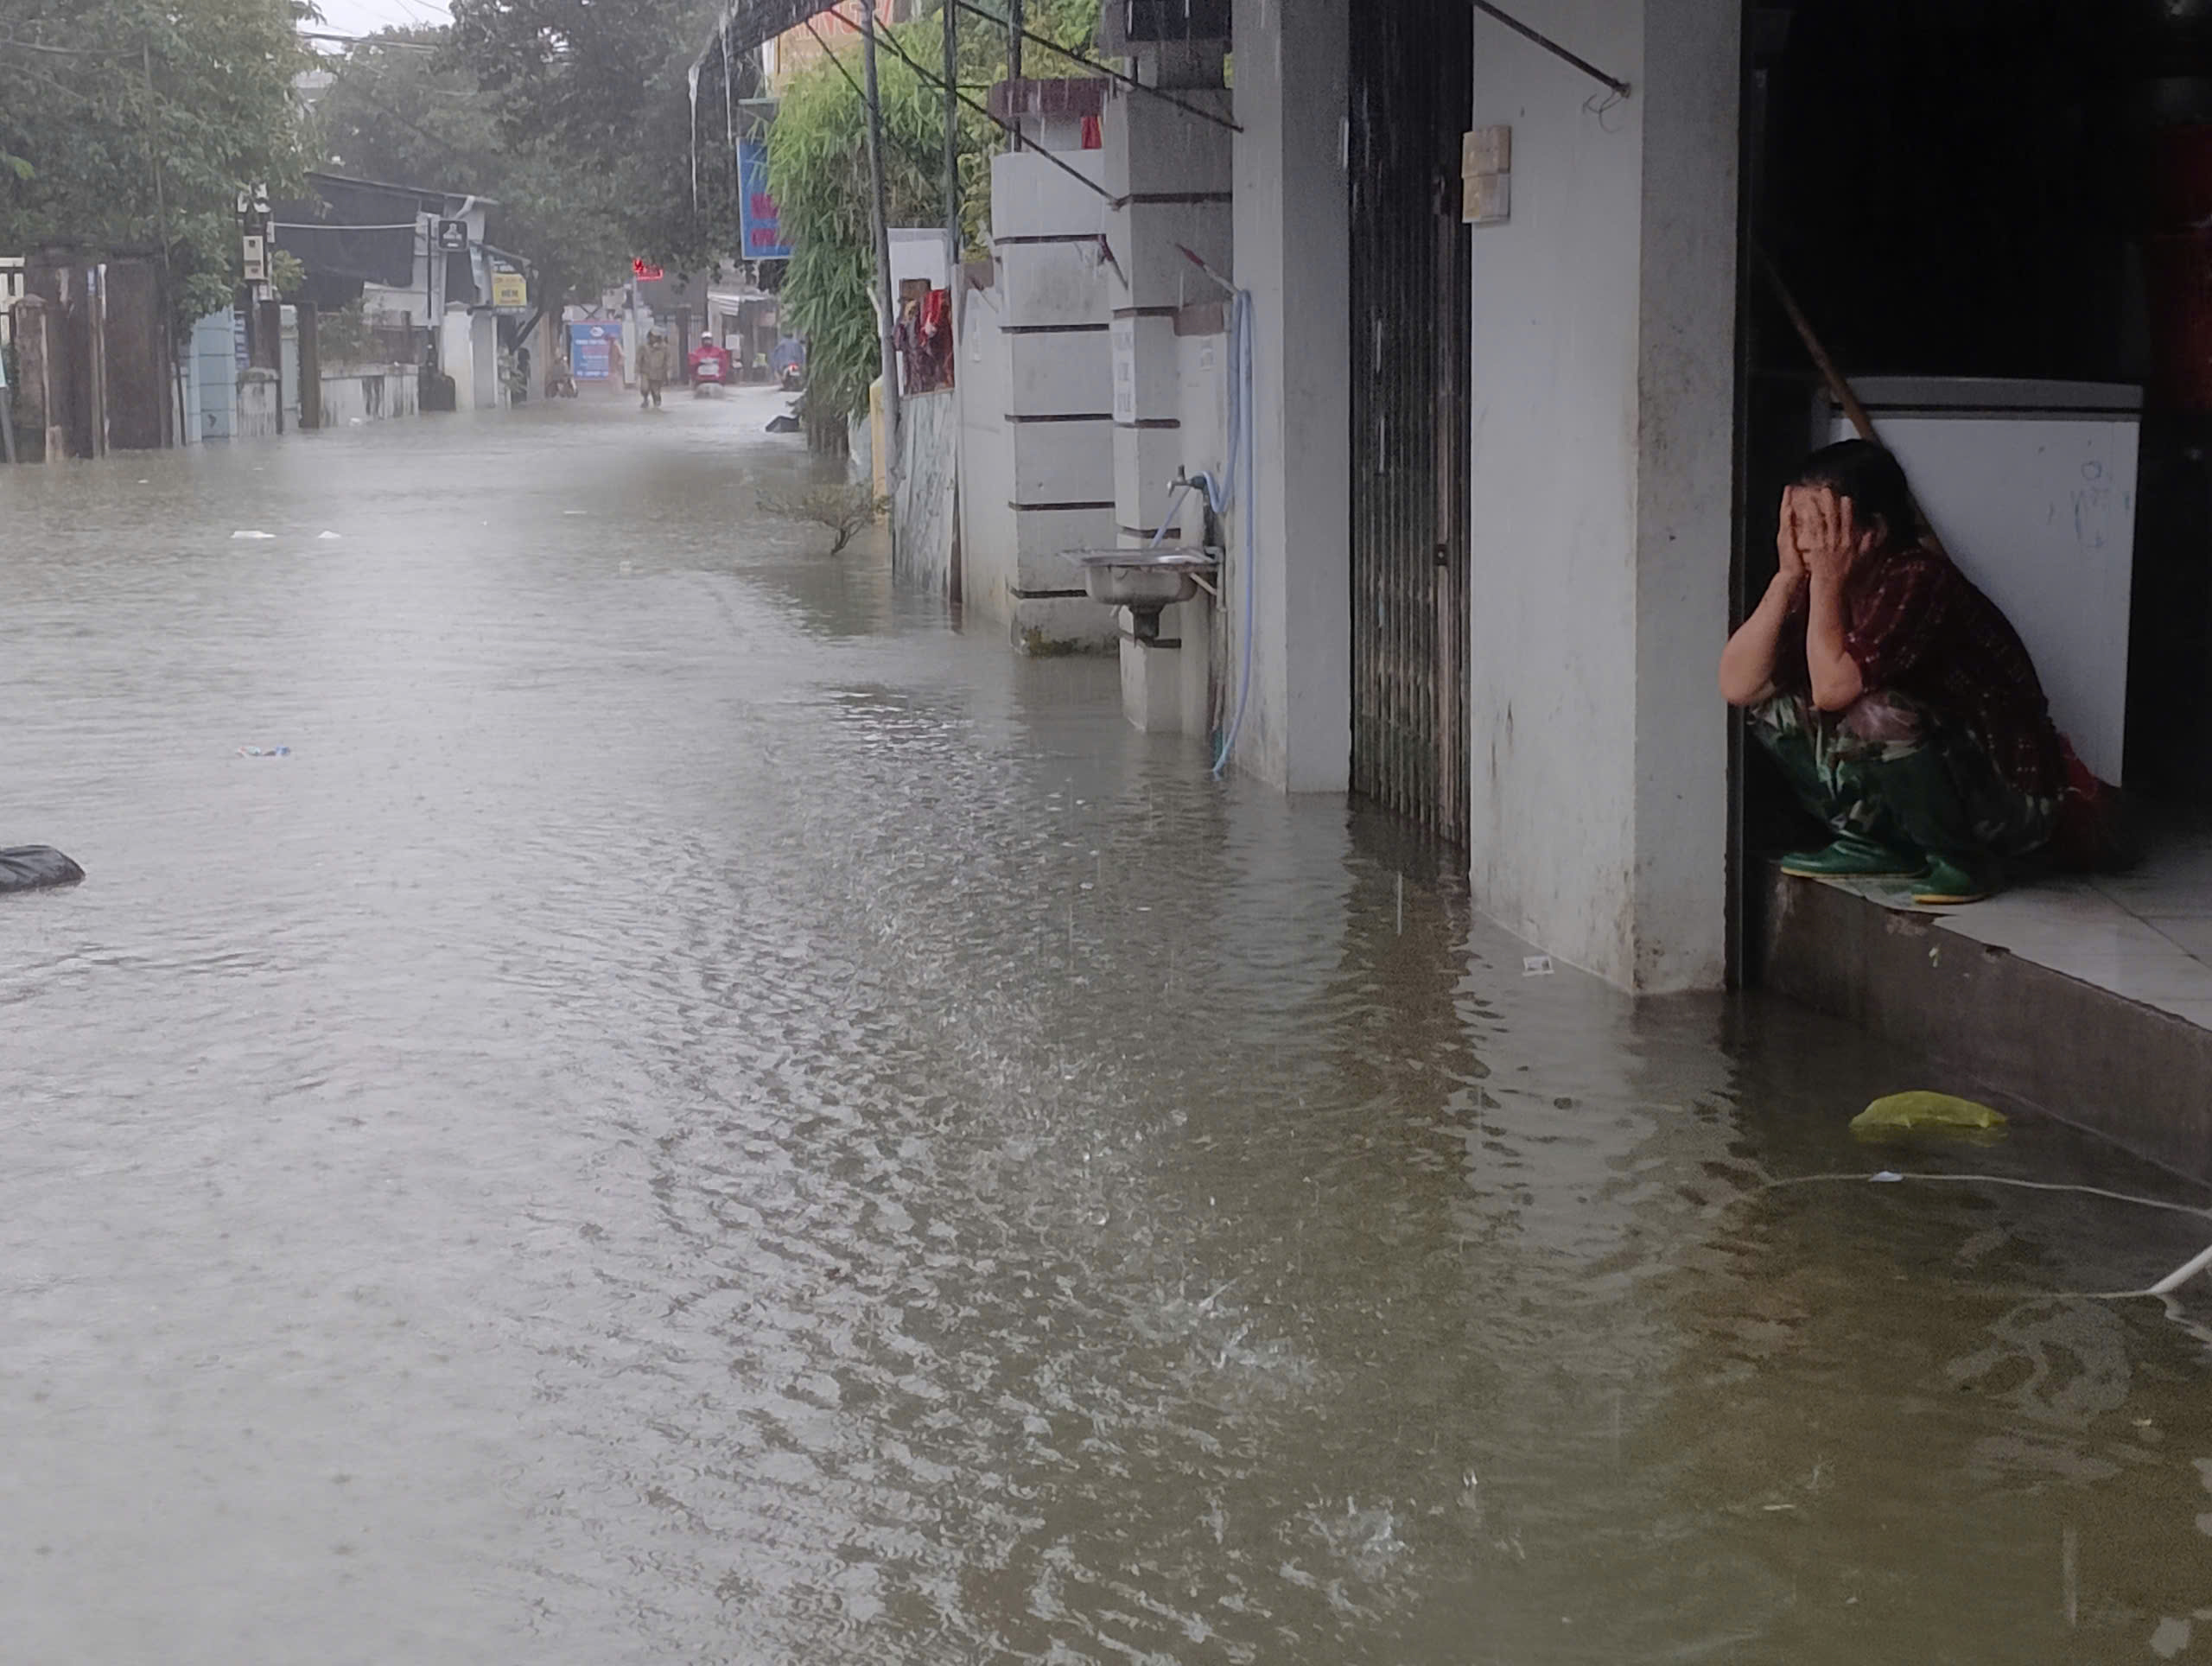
1620,88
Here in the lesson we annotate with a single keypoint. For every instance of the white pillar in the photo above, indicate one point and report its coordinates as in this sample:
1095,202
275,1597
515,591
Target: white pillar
457,355
1602,416
484,352
1170,172
1292,228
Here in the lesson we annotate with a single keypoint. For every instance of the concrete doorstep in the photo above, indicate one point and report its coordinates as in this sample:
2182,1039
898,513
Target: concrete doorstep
2022,1033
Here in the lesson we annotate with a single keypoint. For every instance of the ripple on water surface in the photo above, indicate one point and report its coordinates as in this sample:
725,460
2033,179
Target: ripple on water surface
699,1113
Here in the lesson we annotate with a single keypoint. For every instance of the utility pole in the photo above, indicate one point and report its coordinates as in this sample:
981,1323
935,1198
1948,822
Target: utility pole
887,294
254,239
1014,39
264,312
173,424
952,237
7,415
429,365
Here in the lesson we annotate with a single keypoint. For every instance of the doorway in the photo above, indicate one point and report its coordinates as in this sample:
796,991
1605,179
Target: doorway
1411,101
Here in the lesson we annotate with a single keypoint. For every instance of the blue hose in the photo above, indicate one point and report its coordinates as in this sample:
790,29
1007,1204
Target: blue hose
1243,448
1244,429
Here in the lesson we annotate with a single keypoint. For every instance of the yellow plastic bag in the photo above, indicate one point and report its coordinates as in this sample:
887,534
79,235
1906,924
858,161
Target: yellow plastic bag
1906,1113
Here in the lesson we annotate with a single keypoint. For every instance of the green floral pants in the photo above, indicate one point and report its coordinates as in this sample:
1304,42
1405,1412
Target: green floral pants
1892,771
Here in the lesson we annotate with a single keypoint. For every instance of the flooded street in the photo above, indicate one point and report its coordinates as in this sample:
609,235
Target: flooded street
702,1114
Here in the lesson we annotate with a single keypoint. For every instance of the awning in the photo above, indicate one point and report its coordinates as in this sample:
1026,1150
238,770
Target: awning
359,229
354,232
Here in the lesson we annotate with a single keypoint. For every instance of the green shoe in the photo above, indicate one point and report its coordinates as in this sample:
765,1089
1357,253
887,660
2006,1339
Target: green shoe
1851,857
1947,885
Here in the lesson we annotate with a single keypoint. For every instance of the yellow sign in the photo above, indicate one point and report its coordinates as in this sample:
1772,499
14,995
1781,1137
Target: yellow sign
509,290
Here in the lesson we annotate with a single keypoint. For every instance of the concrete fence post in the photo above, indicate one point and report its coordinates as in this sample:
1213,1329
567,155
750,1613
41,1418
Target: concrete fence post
38,429
310,327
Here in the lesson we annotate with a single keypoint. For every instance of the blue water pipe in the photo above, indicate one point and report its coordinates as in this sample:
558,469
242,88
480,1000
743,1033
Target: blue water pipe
1244,429
1243,448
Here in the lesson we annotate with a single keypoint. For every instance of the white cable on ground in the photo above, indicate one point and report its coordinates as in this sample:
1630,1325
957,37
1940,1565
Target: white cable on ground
2165,1287
2181,1274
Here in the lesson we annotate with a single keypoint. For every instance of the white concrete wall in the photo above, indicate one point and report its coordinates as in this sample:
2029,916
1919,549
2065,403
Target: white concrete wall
1036,400
929,442
1291,224
288,360
212,393
457,356
256,417
1603,412
1172,173
491,388
988,534
1202,405
917,252
369,393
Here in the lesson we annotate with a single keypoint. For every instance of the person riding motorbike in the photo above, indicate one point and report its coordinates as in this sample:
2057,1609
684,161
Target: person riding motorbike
789,362
709,364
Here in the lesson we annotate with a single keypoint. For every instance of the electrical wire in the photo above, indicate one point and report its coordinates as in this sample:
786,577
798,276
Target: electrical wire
1106,70
387,42
2164,1289
1082,179
837,63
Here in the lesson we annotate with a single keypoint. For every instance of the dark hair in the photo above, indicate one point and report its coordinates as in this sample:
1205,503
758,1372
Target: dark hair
1872,479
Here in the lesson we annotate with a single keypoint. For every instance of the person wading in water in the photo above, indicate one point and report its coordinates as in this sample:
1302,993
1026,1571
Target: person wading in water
653,368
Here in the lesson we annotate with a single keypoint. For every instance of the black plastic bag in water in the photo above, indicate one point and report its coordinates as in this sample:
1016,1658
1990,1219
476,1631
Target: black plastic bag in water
33,867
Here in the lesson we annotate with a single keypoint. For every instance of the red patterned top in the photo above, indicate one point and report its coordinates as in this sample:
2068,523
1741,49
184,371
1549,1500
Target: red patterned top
1915,625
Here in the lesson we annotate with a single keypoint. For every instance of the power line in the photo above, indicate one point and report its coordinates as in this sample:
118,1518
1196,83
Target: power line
1080,178
390,42
67,52
1107,70
838,64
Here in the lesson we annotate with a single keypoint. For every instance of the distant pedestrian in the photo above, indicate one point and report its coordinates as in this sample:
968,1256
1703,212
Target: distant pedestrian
653,368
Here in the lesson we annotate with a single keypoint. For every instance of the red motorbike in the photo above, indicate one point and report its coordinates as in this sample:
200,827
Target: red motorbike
709,370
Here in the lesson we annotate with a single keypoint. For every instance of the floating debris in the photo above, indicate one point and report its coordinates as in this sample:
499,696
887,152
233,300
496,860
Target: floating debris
1904,1112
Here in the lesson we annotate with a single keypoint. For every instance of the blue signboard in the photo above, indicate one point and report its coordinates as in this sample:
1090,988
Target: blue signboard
591,350
759,220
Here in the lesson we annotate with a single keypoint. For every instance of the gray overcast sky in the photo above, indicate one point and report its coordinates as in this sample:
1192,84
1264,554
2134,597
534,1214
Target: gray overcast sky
367,16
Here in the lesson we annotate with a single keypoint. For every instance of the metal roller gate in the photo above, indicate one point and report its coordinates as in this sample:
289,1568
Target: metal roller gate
1411,102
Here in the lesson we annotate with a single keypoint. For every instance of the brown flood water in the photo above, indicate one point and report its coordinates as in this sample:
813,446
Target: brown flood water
703,1115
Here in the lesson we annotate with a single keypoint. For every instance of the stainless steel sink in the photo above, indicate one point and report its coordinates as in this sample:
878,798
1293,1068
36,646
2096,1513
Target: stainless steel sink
1143,581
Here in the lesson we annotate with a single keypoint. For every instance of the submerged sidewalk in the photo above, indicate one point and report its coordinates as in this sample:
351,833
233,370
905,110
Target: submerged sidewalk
2086,999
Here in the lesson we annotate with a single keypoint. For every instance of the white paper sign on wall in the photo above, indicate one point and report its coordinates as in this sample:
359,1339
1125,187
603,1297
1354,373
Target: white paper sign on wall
1125,371
1487,170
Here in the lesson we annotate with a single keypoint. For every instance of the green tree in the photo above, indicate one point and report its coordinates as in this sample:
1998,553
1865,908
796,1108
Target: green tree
119,115
403,106
818,172
608,86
